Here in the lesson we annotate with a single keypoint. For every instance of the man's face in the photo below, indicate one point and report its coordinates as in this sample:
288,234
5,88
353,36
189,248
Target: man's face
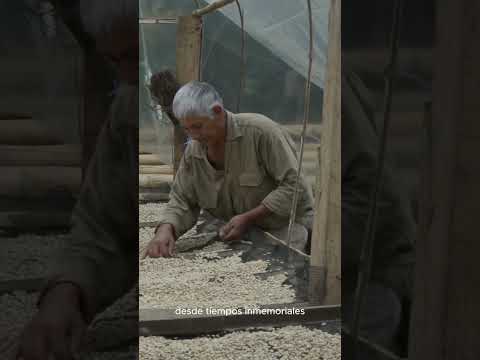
121,49
202,129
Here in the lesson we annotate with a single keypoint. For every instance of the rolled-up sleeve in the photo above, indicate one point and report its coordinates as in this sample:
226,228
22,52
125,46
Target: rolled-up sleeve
281,164
182,209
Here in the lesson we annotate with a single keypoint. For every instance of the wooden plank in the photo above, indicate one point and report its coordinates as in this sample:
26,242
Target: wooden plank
325,261
26,132
38,181
35,220
188,50
164,322
14,116
55,201
29,285
146,197
156,169
46,155
150,159
153,181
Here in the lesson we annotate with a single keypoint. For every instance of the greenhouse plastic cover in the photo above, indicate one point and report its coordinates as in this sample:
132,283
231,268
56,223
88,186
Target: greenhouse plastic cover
282,27
276,52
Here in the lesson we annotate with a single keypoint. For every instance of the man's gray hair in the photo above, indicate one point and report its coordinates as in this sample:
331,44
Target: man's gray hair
196,99
101,17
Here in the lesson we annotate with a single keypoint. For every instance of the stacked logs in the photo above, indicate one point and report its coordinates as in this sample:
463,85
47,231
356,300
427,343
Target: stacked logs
36,167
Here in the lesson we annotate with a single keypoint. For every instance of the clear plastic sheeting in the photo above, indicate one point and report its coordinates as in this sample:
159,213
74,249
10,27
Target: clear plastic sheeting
276,53
157,53
153,8
271,86
282,27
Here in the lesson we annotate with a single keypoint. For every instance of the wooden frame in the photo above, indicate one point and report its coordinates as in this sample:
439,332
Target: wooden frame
325,260
164,322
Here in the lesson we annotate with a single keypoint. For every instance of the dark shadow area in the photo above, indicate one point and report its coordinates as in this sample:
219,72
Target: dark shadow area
366,34
69,179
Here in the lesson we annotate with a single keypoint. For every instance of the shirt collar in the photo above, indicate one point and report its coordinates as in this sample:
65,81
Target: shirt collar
233,132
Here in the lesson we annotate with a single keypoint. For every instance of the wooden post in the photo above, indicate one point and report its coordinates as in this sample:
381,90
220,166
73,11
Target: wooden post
325,262
446,318
189,43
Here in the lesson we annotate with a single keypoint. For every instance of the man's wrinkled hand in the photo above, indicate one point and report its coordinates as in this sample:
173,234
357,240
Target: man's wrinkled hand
57,329
235,228
162,244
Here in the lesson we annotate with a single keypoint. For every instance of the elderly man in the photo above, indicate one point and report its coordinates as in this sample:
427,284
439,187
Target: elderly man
240,168
101,262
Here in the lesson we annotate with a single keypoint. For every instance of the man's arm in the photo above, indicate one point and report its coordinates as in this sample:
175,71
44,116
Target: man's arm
182,210
280,161
179,215
237,225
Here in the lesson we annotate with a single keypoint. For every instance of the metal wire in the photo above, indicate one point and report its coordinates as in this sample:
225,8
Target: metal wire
242,54
369,240
293,210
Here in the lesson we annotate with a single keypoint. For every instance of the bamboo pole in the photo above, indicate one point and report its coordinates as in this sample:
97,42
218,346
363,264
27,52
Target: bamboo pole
325,262
243,59
188,47
212,7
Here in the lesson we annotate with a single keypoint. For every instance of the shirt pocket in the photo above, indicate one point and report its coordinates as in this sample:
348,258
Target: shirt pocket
207,199
253,187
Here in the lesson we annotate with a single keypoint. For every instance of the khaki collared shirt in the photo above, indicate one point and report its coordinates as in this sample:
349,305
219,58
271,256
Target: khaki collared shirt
260,168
